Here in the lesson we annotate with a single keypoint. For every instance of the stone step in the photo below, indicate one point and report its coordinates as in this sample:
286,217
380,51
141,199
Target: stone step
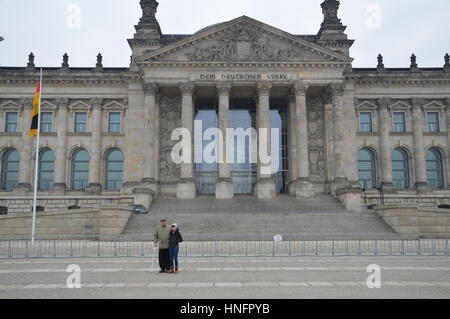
246,218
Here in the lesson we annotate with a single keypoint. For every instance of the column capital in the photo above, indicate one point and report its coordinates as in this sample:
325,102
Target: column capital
96,103
224,88
300,88
384,103
417,103
27,103
337,89
151,88
263,88
62,103
187,88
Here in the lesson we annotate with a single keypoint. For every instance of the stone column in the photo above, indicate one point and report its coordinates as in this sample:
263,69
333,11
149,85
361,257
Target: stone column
292,144
25,178
385,144
95,162
224,186
303,186
448,139
419,148
61,146
186,187
265,187
150,90
337,92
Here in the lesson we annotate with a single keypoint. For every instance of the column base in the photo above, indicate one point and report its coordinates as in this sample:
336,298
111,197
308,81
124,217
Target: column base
265,189
387,187
423,188
339,184
94,188
224,189
304,189
186,190
59,188
22,189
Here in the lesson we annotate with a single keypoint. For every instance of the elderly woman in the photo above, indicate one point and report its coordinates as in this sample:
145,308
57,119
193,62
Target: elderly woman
174,241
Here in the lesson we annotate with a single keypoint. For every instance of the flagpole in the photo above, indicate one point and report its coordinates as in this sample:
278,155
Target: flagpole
36,167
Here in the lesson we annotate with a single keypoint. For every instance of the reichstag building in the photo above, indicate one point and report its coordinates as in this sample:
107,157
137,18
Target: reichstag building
343,131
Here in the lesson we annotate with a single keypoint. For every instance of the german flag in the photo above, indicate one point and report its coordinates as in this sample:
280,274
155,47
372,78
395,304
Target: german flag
35,111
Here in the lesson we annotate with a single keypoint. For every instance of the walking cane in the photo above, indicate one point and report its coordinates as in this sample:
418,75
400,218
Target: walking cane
153,257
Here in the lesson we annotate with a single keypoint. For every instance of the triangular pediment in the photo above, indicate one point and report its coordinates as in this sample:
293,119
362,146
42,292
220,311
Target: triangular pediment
243,40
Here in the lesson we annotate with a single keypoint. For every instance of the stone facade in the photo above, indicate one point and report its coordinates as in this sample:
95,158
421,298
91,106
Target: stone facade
134,110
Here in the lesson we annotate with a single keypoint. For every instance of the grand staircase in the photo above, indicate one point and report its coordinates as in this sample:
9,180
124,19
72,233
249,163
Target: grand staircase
247,218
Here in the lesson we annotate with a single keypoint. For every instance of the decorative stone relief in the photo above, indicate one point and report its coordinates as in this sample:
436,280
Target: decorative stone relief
316,137
170,110
243,42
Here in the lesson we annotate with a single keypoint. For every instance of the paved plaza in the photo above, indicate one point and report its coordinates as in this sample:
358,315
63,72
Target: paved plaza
247,277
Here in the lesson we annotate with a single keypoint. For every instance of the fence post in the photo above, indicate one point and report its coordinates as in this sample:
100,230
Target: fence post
290,250
54,247
359,248
26,249
419,248
390,247
433,245
71,248
115,248
376,247
273,248
9,249
317,248
402,249
446,248
347,251
246,249
303,248
332,248
142,249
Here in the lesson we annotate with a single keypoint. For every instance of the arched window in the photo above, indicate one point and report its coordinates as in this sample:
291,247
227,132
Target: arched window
10,169
367,169
80,170
46,169
400,169
435,173
114,170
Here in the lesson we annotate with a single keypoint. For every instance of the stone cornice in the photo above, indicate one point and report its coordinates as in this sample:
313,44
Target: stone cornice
227,65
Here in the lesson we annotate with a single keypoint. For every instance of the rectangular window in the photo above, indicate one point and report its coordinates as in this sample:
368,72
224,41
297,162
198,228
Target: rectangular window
399,122
433,122
365,122
80,122
11,122
114,122
46,122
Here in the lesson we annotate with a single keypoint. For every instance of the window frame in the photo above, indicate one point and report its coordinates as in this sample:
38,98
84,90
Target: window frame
373,169
73,172
75,123
394,122
5,172
108,171
436,123
41,153
370,123
41,119
110,113
441,172
7,130
406,168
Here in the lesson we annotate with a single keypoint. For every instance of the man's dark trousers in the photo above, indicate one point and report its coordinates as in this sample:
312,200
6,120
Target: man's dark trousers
164,259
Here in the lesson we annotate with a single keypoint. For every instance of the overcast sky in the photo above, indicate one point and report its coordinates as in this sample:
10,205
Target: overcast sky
83,28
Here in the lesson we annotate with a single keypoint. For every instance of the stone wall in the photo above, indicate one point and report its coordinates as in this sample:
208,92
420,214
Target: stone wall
418,221
23,204
100,222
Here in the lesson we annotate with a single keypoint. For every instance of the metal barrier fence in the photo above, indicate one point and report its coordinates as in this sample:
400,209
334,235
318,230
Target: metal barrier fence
90,248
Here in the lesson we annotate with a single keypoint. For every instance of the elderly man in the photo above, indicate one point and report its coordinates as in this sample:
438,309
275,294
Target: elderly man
161,238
